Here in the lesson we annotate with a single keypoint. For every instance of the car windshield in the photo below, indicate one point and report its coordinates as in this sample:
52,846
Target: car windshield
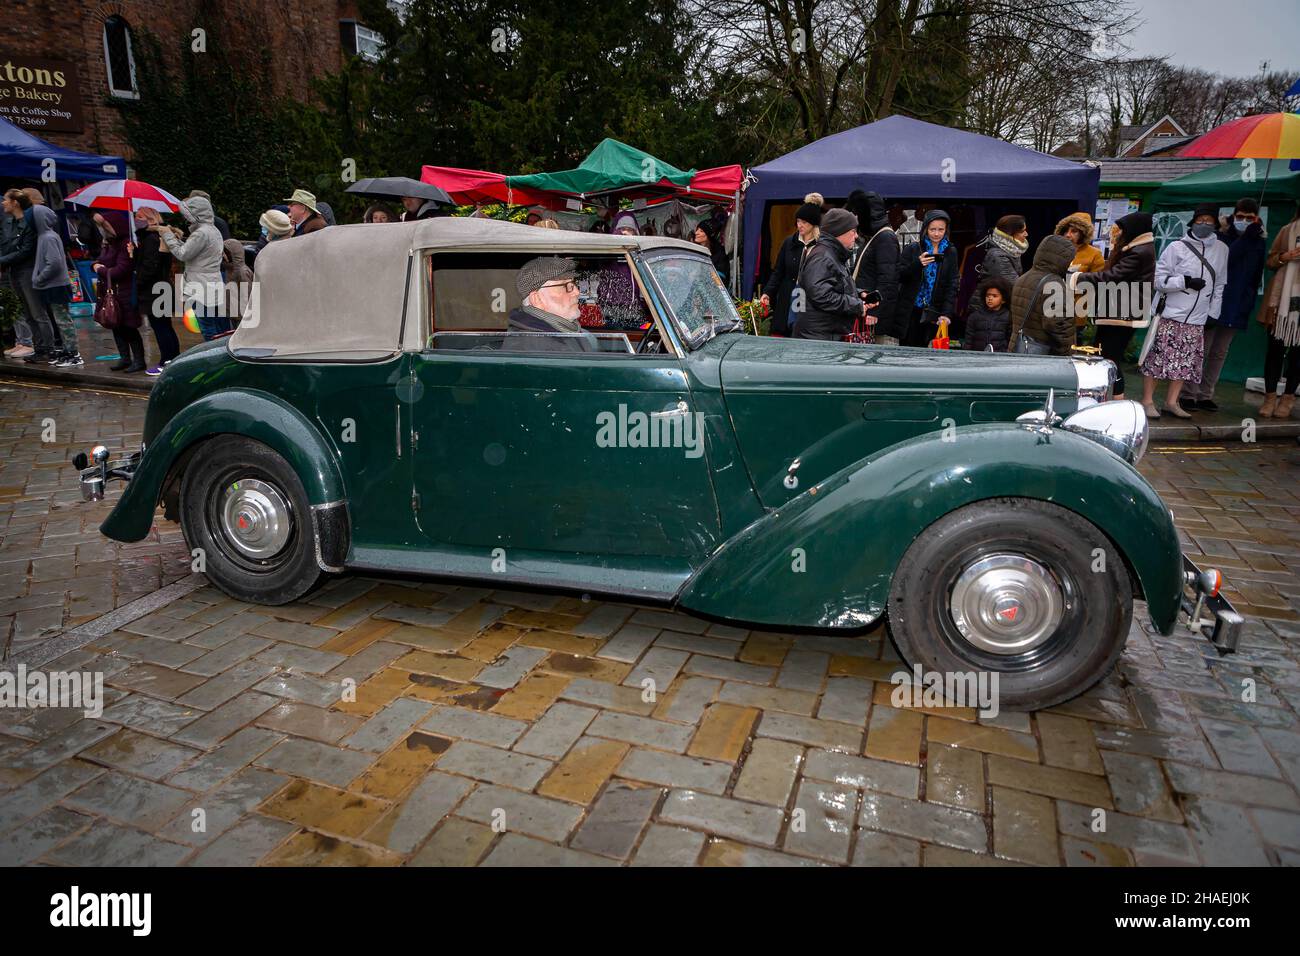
698,299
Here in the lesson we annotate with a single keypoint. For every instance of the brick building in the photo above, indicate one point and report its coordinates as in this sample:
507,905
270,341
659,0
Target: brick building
67,67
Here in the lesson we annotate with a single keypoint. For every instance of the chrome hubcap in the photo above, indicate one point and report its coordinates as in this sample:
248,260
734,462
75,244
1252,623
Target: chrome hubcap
255,518
1006,604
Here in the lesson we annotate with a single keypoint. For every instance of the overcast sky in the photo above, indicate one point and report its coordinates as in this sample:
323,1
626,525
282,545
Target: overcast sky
1223,36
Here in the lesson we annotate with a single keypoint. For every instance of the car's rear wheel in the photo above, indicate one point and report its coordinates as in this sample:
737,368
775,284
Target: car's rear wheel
247,512
1019,587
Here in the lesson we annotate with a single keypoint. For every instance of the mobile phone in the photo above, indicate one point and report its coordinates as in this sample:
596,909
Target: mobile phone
871,298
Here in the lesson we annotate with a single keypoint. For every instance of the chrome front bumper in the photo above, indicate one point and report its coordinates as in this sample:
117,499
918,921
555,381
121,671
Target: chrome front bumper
1201,594
95,477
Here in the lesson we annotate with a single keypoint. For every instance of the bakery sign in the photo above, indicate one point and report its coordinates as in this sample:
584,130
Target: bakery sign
41,96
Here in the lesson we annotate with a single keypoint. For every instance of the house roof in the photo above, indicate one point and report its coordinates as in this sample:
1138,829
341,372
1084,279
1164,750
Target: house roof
1154,169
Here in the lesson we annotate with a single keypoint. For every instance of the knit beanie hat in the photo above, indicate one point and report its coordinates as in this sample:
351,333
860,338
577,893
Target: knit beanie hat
836,222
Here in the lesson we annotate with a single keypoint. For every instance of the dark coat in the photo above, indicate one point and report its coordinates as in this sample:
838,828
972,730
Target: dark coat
520,321
985,328
1043,284
944,299
1246,254
19,254
875,262
998,263
311,224
1136,263
780,284
153,263
118,275
831,302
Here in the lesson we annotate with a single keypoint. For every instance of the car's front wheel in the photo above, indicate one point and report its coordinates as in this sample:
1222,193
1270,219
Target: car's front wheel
1021,588
245,511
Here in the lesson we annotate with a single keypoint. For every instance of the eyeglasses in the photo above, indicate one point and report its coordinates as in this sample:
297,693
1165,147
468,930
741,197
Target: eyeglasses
568,285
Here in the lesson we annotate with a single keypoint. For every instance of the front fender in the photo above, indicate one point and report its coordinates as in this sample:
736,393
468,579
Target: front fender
236,411
826,559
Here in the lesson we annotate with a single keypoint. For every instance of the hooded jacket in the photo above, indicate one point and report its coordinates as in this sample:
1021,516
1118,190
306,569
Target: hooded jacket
1038,298
1087,257
117,278
944,299
1247,252
238,276
875,261
51,267
830,298
200,253
1179,262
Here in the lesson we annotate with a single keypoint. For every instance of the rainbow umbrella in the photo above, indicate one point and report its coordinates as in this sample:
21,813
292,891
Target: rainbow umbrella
1265,136
125,194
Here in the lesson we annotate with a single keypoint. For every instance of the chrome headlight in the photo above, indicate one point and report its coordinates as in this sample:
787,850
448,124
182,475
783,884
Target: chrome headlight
1120,426
1095,378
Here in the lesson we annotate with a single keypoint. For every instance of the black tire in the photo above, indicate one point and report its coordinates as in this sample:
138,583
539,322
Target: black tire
1092,620
212,478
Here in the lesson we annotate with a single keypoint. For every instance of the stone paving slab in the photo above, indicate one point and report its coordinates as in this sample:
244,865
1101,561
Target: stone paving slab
506,727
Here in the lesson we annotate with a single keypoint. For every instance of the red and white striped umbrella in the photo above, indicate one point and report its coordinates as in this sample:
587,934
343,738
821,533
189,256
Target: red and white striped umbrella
125,194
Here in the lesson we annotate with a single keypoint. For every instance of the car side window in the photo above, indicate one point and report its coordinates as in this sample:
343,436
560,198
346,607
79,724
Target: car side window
475,304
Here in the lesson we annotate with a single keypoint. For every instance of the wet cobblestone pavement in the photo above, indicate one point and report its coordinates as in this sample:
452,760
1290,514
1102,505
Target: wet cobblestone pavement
505,727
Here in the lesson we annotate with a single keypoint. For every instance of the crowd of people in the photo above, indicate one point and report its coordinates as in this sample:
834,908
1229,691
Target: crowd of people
846,270
859,271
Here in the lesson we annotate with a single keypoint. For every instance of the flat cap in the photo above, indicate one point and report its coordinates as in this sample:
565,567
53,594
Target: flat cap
535,273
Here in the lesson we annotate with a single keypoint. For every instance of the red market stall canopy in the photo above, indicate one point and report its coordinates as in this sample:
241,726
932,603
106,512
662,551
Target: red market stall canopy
611,170
24,156
466,186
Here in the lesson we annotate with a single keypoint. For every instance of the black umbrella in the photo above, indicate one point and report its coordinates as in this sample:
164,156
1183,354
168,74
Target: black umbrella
400,186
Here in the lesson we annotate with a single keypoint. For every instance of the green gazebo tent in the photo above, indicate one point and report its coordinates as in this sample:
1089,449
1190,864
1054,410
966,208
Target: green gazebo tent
611,166
1277,188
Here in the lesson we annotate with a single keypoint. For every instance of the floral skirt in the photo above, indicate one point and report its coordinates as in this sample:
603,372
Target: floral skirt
1177,352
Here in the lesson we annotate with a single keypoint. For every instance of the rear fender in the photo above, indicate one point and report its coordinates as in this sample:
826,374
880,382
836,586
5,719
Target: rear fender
826,559
252,414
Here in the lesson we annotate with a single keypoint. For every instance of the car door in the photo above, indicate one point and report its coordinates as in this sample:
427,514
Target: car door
596,458
580,453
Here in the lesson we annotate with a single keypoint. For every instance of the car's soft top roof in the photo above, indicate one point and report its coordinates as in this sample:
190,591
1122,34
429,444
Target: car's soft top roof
342,290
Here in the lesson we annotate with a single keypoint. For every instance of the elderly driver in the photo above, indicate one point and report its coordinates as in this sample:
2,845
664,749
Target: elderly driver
549,289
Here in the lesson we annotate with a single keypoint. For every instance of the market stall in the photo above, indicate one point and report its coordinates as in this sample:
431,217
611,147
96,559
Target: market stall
975,178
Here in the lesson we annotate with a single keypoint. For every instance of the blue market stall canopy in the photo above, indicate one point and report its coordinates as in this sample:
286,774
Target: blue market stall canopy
23,156
899,157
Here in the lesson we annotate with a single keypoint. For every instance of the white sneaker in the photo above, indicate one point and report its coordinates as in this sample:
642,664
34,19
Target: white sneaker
21,351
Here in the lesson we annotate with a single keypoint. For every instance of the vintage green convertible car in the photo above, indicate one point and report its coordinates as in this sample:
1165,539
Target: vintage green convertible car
371,413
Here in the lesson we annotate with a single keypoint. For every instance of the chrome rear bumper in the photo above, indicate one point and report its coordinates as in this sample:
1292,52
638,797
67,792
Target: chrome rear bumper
1201,593
95,477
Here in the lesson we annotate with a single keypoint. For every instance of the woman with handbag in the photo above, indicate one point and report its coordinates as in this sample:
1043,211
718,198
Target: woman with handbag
1190,277
1132,262
114,295
1281,315
1040,322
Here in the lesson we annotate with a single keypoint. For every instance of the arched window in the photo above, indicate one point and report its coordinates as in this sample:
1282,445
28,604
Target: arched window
119,59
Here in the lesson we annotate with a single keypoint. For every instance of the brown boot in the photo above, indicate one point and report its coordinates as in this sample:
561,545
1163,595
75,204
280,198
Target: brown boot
1284,405
1270,405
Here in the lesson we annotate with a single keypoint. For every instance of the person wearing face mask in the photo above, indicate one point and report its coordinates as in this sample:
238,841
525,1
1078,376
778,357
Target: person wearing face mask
1130,268
1190,277
1243,234
789,261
